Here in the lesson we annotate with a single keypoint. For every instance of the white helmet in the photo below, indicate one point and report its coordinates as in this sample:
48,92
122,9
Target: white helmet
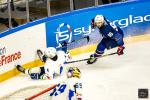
50,52
99,20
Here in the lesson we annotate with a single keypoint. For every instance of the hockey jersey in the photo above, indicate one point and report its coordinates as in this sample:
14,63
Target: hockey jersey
71,89
55,67
108,30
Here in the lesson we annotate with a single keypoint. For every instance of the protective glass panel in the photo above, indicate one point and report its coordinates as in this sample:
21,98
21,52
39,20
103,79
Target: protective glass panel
78,4
37,9
4,22
59,6
18,12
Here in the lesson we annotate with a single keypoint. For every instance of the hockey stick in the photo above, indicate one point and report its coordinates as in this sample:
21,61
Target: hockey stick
76,40
85,37
88,58
40,93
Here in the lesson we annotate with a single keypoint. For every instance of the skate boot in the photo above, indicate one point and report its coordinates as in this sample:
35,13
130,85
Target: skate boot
92,59
20,68
120,50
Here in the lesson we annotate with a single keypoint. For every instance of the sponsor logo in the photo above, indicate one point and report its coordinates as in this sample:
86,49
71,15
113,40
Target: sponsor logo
65,32
131,19
6,59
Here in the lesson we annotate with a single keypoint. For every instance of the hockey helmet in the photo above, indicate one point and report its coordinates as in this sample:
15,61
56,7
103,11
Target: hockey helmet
73,72
50,52
99,20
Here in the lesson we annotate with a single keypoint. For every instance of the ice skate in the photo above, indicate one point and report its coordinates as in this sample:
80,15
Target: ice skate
92,59
20,68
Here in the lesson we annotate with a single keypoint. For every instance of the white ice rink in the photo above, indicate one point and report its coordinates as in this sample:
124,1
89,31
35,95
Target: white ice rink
110,78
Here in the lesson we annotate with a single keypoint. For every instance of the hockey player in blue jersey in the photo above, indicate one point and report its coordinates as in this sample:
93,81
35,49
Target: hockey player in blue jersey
112,37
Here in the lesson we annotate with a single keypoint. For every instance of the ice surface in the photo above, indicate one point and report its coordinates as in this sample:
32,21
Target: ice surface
110,78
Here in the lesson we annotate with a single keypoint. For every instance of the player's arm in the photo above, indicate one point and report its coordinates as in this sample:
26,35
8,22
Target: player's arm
111,24
66,51
41,55
116,28
93,23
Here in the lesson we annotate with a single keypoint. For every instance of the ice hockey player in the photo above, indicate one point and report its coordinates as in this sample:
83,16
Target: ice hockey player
53,64
70,89
112,37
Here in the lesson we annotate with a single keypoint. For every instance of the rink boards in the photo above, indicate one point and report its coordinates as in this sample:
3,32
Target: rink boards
19,45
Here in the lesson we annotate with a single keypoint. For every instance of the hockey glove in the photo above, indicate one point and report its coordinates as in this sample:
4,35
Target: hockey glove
68,56
120,50
64,44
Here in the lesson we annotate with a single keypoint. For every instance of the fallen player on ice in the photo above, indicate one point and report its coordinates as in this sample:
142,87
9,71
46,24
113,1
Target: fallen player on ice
53,64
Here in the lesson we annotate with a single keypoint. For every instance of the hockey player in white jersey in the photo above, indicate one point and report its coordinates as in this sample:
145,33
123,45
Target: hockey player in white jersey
54,62
70,89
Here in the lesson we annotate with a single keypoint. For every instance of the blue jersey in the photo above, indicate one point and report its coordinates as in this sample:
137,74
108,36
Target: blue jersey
108,30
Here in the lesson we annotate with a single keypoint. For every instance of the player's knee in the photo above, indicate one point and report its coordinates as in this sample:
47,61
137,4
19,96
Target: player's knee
120,42
101,47
98,53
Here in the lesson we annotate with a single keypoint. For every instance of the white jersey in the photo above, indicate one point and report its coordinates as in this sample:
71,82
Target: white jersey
69,90
54,67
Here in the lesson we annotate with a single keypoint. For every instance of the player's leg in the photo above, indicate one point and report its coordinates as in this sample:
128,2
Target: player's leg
34,73
119,40
99,51
120,31
100,48
111,43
